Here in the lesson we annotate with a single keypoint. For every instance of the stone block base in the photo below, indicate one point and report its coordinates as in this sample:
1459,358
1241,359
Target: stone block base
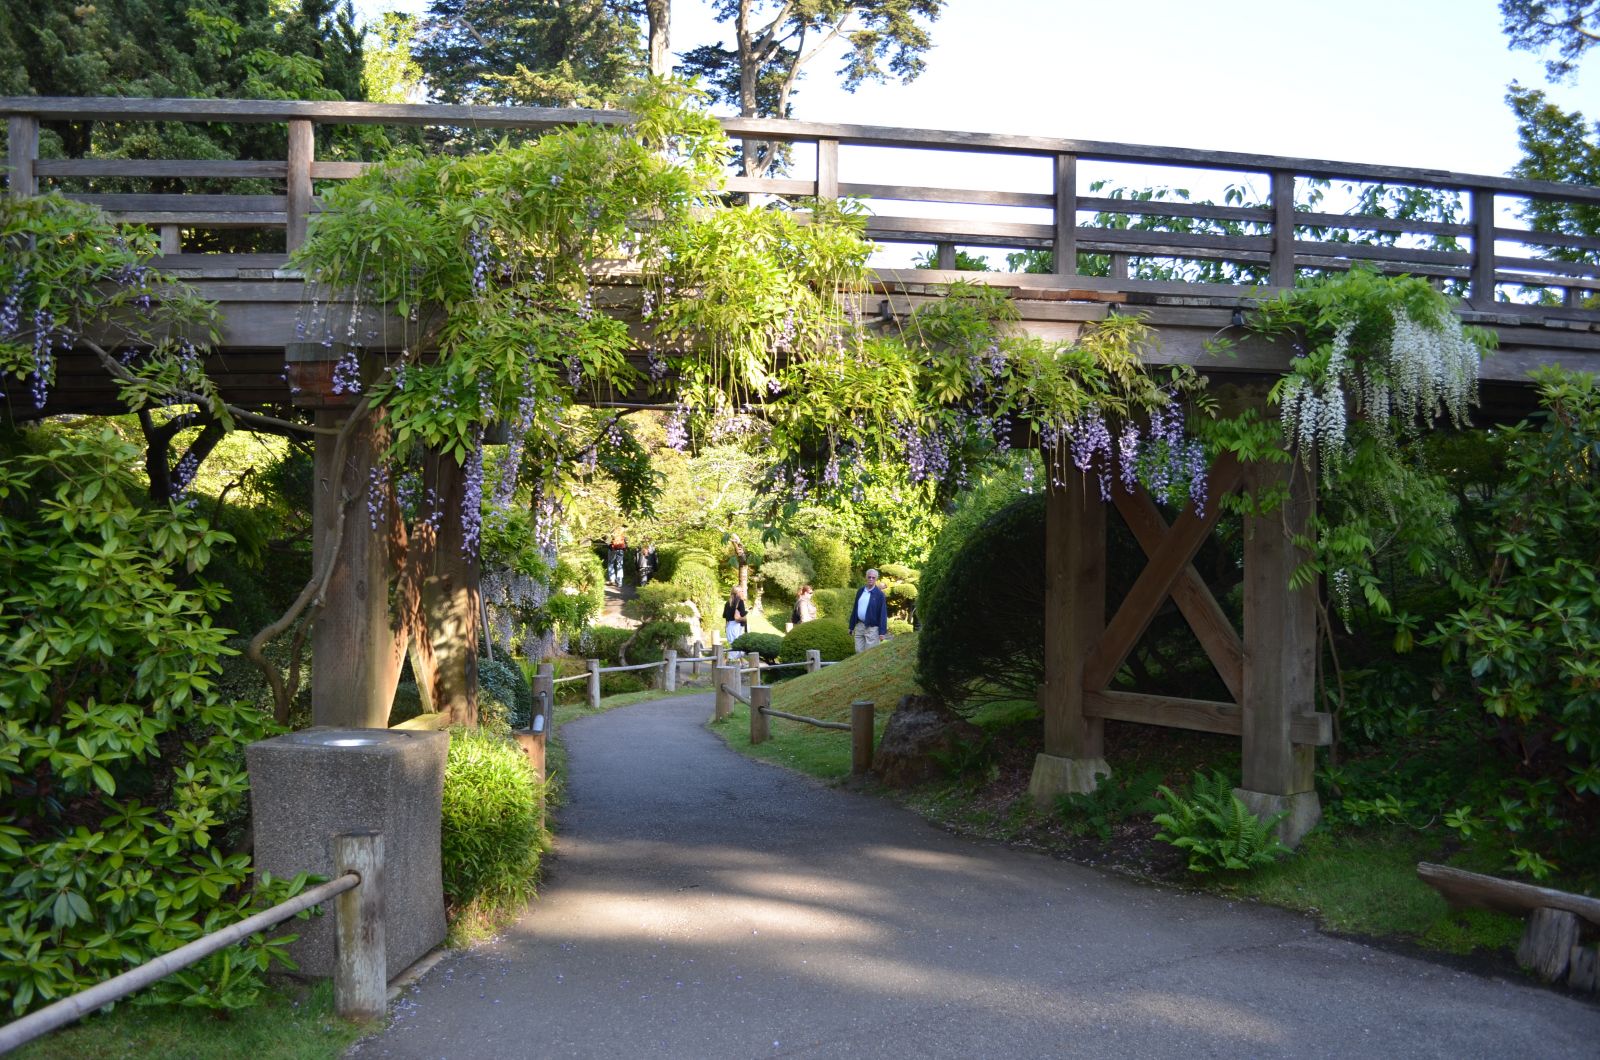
1304,810
1054,776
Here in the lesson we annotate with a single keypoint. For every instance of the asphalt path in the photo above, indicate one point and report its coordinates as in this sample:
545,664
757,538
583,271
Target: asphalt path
702,904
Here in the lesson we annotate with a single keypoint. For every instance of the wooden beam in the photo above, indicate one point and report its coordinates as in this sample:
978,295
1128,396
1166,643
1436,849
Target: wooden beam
1282,228
1280,634
1198,715
1155,582
1481,293
1473,890
827,169
1065,246
22,151
302,150
1075,613
1211,626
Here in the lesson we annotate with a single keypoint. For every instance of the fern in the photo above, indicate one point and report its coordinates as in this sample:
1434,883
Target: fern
1216,829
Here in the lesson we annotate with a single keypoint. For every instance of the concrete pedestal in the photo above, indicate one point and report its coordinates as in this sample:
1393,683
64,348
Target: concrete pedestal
1054,776
1304,810
306,787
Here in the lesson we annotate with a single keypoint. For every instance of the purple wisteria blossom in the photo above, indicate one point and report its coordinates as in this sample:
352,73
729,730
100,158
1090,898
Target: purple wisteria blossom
472,502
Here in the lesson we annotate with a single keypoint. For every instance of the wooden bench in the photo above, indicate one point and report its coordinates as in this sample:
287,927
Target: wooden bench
1550,945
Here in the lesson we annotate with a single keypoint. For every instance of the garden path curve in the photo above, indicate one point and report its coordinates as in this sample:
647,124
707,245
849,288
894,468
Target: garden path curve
702,904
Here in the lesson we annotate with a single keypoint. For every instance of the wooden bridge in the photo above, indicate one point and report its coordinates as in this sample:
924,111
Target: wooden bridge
1538,291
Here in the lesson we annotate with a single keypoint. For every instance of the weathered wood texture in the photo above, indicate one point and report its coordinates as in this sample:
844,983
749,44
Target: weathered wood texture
1280,627
760,725
361,977
1075,594
862,719
1547,943
1474,890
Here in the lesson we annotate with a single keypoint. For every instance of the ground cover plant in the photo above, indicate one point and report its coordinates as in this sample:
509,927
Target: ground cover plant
492,832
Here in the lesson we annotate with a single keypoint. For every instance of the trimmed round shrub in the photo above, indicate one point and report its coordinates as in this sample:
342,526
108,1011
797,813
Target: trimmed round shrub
831,558
699,583
902,595
622,684
824,634
898,572
662,601
898,626
504,697
490,835
603,643
767,645
982,620
834,603
653,638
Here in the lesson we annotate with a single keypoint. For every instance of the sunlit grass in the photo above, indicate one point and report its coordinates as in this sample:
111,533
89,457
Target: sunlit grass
285,1026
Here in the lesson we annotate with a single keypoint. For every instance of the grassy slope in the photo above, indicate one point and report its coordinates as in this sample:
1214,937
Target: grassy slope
1361,882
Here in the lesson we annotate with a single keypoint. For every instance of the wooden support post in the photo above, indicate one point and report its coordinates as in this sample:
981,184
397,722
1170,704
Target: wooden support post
1481,292
1280,653
863,715
594,684
545,682
813,660
171,240
719,655
1281,272
449,596
1066,242
760,724
723,678
354,661
22,149
1073,759
1583,968
360,978
1547,943
669,670
302,150
945,256
694,667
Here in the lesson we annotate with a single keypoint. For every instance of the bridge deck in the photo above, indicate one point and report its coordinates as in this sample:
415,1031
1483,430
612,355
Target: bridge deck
1538,290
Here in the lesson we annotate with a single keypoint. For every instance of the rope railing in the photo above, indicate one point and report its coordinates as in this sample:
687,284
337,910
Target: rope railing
360,975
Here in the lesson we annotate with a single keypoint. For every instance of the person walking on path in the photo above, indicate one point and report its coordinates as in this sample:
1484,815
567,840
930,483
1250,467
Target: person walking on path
805,607
619,549
735,615
869,617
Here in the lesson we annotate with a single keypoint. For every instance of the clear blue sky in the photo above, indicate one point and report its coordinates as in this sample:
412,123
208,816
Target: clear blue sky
1398,82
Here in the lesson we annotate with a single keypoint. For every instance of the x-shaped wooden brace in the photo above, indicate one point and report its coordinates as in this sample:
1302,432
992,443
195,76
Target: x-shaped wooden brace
1169,572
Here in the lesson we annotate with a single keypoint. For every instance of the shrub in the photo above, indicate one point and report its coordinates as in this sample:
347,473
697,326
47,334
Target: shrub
491,840
982,620
662,601
652,639
834,603
902,597
824,634
831,559
897,626
898,572
122,779
783,575
768,645
603,643
622,684
699,583
1113,801
1216,828
504,696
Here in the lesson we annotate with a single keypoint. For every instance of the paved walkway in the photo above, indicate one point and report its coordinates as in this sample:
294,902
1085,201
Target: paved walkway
701,904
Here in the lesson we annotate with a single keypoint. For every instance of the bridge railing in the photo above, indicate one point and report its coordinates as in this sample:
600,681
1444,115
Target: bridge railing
1469,238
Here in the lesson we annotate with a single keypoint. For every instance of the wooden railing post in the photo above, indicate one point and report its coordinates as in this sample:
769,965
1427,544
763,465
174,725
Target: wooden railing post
1481,294
302,150
760,724
719,655
862,716
725,678
594,684
360,979
813,660
22,138
945,256
669,670
1281,271
694,667
827,169
1066,242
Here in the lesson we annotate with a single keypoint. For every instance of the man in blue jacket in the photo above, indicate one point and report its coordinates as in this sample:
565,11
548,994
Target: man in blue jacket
869,618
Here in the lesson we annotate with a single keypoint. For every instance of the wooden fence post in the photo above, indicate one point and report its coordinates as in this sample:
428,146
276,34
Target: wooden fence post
862,715
669,670
719,655
725,678
545,681
360,978
1065,248
760,724
1281,271
1481,289
694,667
594,684
813,660
302,150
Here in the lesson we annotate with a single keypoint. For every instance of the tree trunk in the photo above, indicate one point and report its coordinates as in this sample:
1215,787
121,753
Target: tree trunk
659,14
